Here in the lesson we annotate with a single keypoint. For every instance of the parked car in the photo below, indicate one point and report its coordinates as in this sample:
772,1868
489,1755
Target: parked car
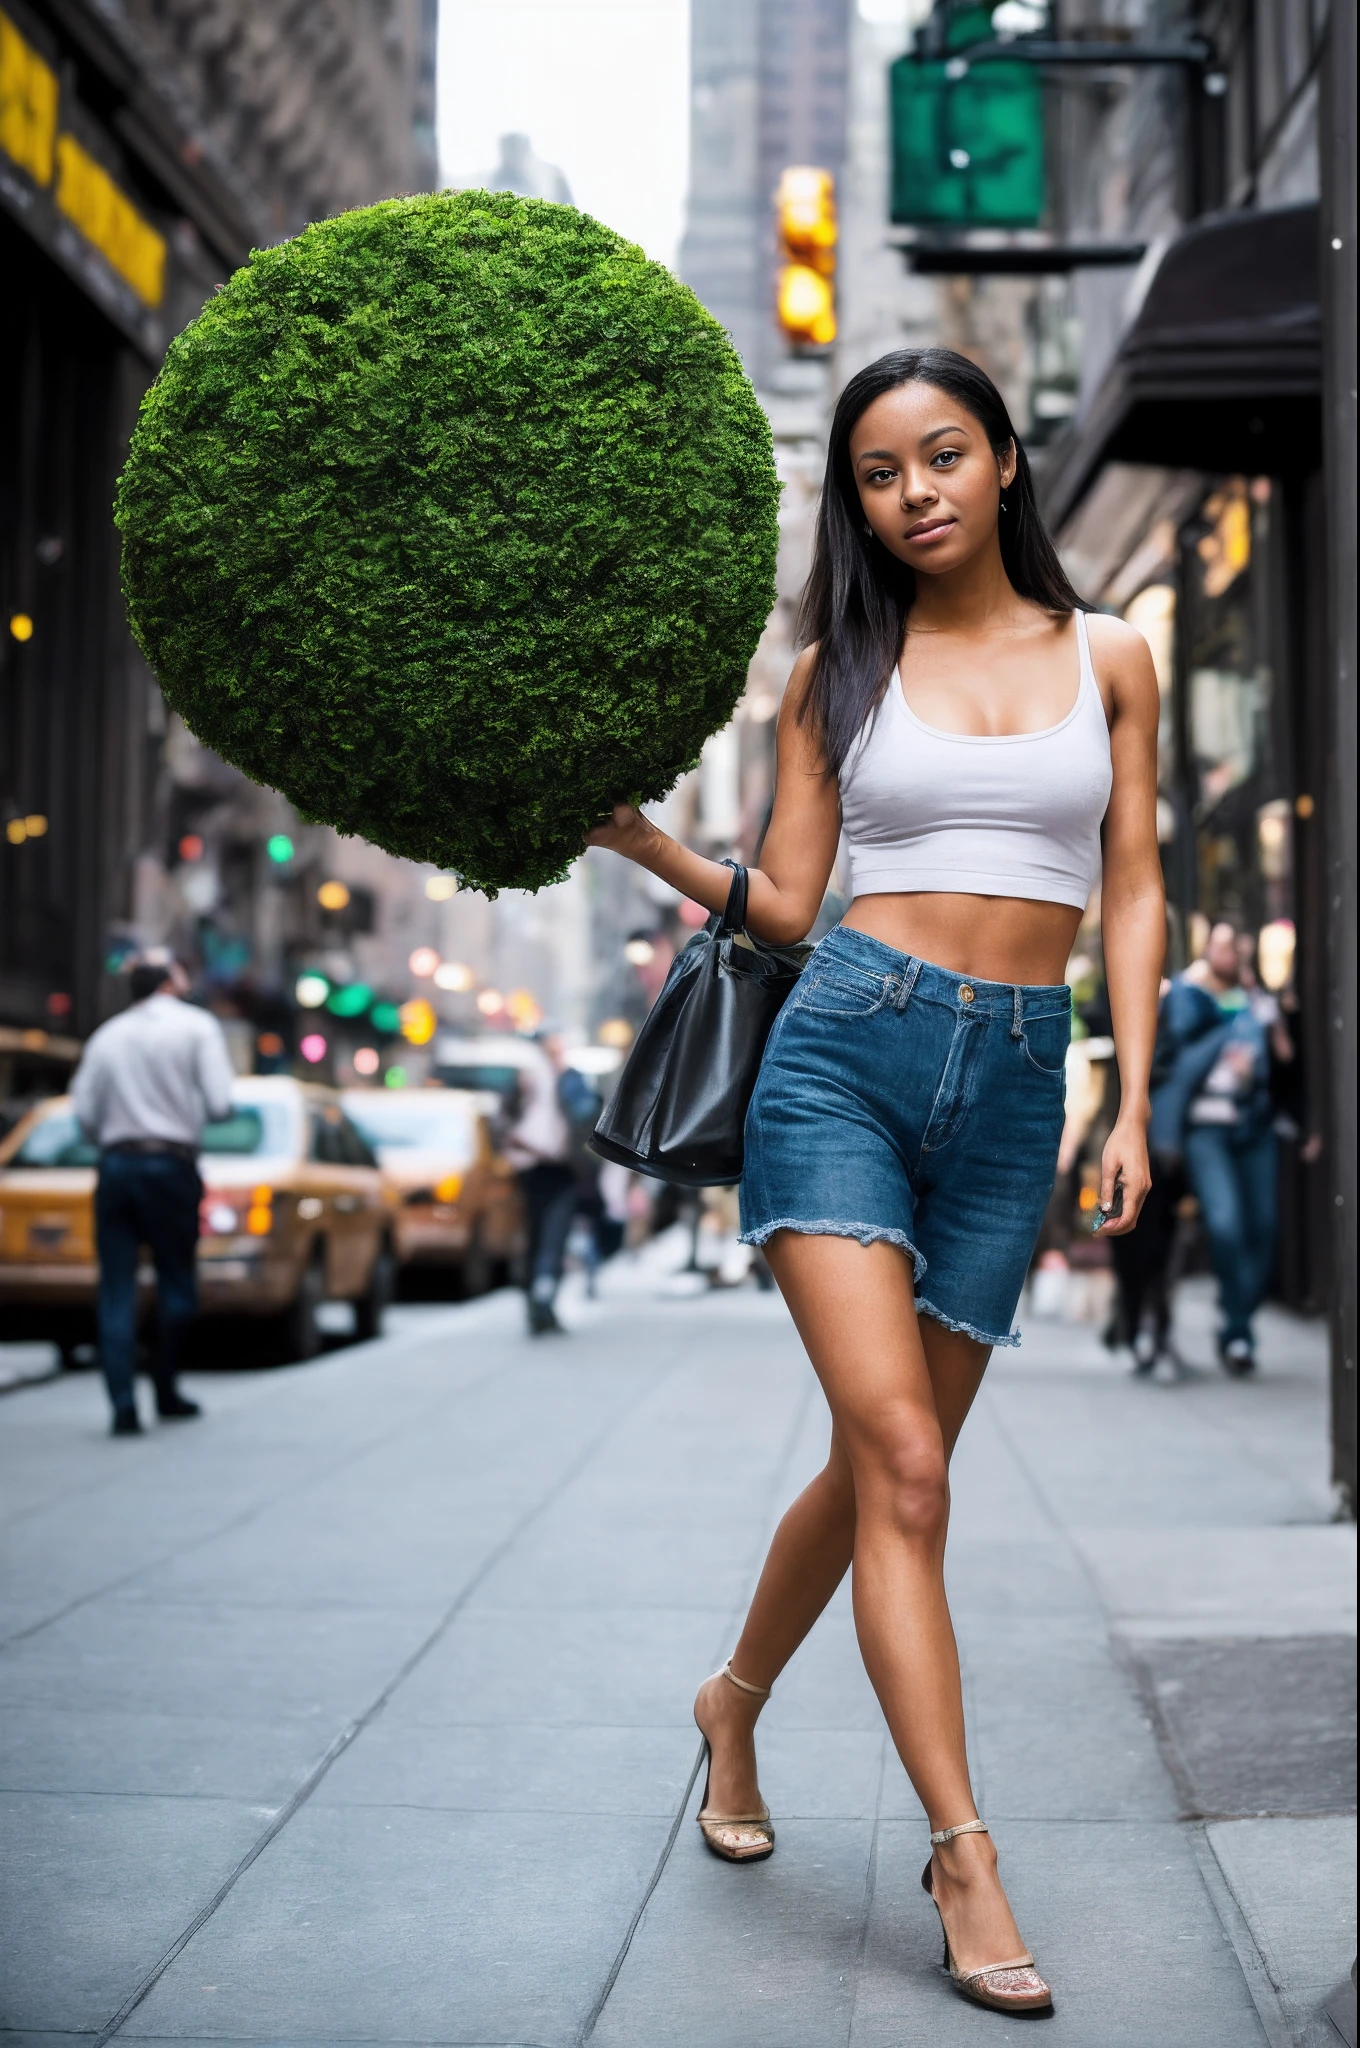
458,1204
295,1212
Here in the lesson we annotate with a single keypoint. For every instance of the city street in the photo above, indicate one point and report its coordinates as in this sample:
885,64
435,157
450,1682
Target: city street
360,1711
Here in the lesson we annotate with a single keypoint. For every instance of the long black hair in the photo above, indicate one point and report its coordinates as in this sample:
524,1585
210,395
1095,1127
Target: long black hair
857,597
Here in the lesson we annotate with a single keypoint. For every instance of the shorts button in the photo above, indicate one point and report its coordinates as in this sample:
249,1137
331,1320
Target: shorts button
965,994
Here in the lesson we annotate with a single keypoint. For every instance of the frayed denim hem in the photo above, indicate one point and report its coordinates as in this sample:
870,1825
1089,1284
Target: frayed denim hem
866,1233
928,1308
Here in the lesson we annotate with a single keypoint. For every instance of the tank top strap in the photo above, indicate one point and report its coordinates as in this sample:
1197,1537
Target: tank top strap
1086,670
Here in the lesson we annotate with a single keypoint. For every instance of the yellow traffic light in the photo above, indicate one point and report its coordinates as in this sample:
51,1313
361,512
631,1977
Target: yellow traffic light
805,210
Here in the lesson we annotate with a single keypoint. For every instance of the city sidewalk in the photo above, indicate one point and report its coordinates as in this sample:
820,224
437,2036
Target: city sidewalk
359,1712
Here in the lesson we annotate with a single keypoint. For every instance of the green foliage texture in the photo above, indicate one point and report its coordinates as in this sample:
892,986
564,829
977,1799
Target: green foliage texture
454,519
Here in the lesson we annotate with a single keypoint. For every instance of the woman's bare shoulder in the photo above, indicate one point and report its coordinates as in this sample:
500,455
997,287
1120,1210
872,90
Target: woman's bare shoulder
1115,643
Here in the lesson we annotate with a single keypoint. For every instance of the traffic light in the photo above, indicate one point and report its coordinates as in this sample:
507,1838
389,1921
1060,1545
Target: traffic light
967,139
805,212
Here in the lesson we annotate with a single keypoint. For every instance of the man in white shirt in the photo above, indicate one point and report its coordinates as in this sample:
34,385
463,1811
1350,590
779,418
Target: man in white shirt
147,1083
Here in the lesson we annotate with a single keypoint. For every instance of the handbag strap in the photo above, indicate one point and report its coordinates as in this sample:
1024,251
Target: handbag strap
734,916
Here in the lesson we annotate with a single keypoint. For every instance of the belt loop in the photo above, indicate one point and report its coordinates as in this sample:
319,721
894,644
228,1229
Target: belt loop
908,984
1018,1019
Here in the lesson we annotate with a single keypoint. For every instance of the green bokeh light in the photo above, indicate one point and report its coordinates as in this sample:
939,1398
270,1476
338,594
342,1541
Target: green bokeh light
279,847
350,1001
395,1077
385,1017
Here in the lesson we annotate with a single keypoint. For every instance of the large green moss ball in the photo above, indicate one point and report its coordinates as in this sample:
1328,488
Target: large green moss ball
454,519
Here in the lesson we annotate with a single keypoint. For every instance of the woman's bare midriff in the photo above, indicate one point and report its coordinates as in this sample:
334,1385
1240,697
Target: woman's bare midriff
992,938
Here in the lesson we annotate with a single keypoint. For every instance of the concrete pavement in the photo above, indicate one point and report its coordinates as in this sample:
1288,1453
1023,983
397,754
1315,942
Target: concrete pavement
359,1712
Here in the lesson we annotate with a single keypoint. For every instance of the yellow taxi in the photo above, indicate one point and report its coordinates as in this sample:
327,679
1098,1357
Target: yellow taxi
458,1203
295,1211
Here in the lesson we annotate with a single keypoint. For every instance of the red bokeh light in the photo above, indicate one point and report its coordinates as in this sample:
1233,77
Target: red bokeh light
191,847
58,1005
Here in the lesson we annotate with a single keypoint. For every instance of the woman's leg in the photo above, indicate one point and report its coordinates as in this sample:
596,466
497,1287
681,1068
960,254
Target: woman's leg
856,1314
811,1552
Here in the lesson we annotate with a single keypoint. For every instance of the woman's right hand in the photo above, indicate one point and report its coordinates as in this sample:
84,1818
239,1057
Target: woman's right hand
624,831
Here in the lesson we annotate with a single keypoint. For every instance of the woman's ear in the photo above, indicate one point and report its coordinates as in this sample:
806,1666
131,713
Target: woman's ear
1007,465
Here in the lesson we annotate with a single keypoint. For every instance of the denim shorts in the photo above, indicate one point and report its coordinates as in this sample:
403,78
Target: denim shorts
902,1102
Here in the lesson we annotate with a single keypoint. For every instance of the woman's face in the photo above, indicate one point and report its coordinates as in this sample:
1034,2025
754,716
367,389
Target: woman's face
928,479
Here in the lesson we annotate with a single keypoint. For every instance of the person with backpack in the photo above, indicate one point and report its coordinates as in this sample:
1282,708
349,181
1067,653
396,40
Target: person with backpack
1211,1110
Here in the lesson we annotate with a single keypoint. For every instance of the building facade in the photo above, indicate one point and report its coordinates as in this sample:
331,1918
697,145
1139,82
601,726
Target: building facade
145,147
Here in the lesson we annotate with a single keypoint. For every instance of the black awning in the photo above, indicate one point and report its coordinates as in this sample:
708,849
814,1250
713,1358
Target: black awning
1221,370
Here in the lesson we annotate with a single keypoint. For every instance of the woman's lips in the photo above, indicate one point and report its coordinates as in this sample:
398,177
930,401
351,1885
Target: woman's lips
929,529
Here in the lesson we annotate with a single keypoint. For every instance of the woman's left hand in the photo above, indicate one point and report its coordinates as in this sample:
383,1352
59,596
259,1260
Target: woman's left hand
1125,1163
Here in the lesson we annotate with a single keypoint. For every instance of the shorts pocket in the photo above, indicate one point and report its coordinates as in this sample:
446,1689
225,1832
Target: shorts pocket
839,990
1046,1040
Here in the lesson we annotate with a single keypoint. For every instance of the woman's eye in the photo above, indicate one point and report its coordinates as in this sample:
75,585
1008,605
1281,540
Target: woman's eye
947,456
879,476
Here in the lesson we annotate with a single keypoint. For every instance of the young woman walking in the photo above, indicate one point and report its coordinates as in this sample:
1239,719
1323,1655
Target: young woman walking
981,744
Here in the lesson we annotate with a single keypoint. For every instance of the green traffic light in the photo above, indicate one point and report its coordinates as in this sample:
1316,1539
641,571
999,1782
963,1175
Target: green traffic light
280,848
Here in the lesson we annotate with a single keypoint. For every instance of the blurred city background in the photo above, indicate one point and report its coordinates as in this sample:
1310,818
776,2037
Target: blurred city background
1138,215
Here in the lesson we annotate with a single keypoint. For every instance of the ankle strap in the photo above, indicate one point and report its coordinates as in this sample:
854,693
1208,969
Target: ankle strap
762,1692
967,1827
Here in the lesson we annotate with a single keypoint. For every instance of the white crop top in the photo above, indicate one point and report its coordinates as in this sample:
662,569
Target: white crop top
950,812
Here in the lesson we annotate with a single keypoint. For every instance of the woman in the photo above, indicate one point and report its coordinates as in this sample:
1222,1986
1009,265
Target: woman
977,742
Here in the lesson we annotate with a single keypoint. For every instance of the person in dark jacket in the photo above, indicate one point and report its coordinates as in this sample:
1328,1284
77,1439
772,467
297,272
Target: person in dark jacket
1211,1110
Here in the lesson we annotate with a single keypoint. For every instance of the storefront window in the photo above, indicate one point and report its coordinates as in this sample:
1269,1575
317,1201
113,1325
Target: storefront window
1231,777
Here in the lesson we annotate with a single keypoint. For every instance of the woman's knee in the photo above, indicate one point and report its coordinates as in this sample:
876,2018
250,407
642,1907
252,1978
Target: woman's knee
902,1473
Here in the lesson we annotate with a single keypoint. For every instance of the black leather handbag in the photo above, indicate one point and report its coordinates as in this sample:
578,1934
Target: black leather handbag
680,1105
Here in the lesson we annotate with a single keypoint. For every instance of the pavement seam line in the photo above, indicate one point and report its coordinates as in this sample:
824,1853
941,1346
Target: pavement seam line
596,2012
870,1887
1237,1932
1231,1919
356,1727
242,1518
593,2017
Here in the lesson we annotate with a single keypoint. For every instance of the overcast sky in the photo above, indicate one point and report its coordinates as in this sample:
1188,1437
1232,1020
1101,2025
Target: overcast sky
600,86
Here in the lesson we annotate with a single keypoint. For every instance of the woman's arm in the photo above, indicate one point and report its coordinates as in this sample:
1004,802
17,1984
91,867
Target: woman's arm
785,892
1132,903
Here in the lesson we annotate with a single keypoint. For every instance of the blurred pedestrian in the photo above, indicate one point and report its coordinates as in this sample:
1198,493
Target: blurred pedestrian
1212,1110
148,1081
539,1147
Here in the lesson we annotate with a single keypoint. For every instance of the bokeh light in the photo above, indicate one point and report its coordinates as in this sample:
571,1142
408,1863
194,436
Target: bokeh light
522,1010
351,1000
491,1002
190,846
333,896
441,888
418,1021
366,1060
395,1077
313,1048
311,990
21,626
453,976
423,962
279,847
639,952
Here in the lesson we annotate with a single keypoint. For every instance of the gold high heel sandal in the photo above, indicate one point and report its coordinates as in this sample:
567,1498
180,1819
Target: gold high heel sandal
1013,1986
756,1828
